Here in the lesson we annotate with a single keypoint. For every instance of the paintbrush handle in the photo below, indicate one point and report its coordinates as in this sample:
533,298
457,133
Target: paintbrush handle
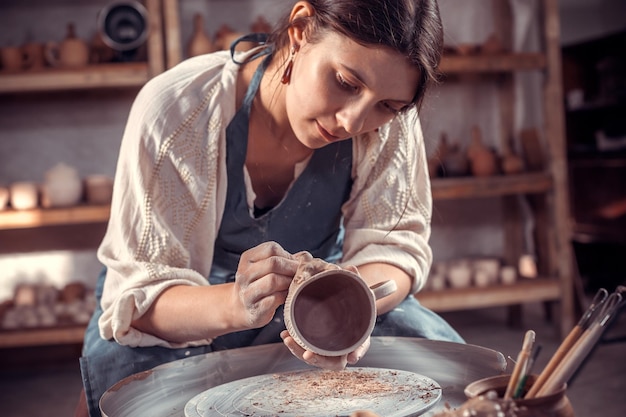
522,360
560,353
572,360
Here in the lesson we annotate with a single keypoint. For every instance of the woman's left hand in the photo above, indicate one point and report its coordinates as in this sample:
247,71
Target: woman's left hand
333,363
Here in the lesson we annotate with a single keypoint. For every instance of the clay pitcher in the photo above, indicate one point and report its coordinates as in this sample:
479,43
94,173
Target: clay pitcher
72,52
34,55
12,58
200,43
483,161
332,312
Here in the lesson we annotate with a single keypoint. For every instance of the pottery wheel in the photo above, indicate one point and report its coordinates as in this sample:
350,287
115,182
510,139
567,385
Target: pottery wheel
314,392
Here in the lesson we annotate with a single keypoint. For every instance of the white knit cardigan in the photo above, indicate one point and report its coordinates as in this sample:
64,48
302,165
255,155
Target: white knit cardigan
170,191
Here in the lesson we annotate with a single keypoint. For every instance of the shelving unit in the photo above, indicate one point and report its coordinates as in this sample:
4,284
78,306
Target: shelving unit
549,186
66,224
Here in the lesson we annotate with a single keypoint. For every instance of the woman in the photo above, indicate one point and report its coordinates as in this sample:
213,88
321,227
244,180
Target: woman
232,169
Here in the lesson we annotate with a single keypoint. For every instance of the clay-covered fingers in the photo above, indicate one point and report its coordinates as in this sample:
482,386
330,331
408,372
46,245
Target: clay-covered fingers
333,363
358,353
262,280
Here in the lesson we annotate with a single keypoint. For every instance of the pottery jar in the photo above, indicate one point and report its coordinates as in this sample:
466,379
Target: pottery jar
12,58
4,197
24,195
332,312
200,42
98,189
34,55
553,405
483,162
72,52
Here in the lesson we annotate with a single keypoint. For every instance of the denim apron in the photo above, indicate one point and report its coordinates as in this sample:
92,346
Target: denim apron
308,218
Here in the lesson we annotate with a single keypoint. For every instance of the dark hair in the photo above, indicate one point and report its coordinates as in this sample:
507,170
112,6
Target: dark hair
411,27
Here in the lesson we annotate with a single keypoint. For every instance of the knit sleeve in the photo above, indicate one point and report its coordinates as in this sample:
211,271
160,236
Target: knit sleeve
167,188
387,218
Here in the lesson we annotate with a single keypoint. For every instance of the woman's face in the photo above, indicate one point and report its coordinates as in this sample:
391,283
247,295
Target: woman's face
340,88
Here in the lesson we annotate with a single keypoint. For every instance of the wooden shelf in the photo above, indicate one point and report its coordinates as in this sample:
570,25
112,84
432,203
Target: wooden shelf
457,64
91,77
473,187
19,219
41,337
526,291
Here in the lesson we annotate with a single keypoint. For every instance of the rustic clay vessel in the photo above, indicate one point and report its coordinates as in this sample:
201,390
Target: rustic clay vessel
24,195
62,187
200,43
332,312
4,197
483,161
553,405
34,55
72,52
511,163
225,36
12,58
98,189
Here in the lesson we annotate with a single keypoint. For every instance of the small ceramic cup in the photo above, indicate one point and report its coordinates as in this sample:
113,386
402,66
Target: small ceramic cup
333,312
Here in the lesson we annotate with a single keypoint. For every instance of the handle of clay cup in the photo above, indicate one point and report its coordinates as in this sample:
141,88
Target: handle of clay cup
384,288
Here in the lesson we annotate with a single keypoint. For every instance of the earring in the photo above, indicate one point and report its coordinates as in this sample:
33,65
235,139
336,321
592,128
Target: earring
287,74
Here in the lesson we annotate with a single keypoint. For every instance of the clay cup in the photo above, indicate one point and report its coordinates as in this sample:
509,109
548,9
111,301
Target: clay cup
333,312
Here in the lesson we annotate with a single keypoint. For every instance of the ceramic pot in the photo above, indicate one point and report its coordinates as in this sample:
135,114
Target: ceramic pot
483,161
225,36
4,197
554,405
62,187
98,189
200,42
34,56
71,53
332,312
24,195
12,58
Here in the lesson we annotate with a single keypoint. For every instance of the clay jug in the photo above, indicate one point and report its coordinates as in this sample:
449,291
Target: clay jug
71,53
261,25
511,163
483,161
12,58
200,43
225,36
331,311
34,55
62,187
482,391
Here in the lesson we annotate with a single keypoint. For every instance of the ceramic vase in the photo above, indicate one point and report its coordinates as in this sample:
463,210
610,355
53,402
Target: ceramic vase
200,43
483,161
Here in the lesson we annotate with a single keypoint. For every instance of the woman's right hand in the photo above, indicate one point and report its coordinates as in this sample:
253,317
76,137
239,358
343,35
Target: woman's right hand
262,282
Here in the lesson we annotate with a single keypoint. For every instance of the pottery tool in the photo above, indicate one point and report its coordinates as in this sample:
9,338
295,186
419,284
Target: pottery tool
568,342
583,346
526,372
522,360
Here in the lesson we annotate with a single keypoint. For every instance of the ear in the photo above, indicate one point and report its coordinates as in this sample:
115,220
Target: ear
300,10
